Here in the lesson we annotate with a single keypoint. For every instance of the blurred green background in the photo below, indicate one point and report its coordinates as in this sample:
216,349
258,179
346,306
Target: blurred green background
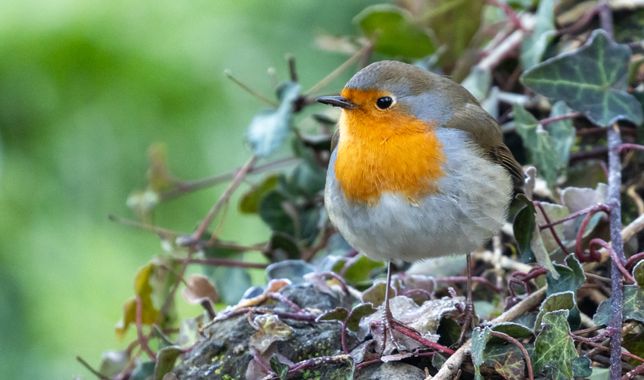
85,88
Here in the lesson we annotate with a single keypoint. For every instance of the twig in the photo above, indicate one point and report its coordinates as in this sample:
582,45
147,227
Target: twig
617,261
338,70
237,179
553,119
190,186
224,263
633,228
613,198
92,370
511,43
632,193
143,340
634,373
413,334
505,262
628,146
453,364
292,70
553,232
162,232
249,90
521,347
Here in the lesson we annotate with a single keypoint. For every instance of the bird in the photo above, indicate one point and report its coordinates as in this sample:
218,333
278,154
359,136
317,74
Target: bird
418,169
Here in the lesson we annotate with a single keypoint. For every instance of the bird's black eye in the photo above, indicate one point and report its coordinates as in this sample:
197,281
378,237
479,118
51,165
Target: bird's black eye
384,102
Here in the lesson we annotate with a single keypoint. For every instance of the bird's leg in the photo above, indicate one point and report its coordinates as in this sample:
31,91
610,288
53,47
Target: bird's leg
387,318
469,305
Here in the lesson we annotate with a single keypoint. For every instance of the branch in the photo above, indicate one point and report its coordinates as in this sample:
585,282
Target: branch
453,364
223,200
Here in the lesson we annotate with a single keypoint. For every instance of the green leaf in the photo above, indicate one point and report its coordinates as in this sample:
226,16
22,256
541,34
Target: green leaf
480,337
554,302
599,374
539,144
638,273
337,314
293,270
357,313
393,32
535,44
592,80
554,348
307,179
571,276
166,358
562,134
268,129
581,367
143,371
278,212
515,330
358,271
528,236
633,308
507,361
283,247
375,294
249,203
633,303
454,23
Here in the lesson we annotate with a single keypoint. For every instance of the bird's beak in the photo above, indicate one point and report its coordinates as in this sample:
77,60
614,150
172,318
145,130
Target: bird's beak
336,101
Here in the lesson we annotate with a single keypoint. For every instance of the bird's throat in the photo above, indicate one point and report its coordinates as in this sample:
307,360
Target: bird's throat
404,158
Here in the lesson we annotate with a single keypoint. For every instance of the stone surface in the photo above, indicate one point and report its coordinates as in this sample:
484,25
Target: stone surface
391,371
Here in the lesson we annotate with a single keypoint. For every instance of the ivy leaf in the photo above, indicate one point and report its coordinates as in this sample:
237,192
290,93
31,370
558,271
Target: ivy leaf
393,31
292,270
281,369
535,45
592,80
143,290
581,367
554,302
571,276
166,358
507,361
633,308
539,144
358,271
554,348
143,371
338,314
268,129
633,303
249,203
480,337
357,313
528,236
513,329
562,134
454,22
638,273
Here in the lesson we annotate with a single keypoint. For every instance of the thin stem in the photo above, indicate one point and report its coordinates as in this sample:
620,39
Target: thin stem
191,186
92,370
224,263
413,334
629,146
614,201
554,119
143,340
617,261
163,232
521,348
574,215
634,373
292,70
223,200
249,90
338,70
551,227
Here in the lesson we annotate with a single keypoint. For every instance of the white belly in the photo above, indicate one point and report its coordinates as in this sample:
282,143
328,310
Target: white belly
469,207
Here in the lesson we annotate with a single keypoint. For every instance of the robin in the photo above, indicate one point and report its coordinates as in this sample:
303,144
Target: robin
418,168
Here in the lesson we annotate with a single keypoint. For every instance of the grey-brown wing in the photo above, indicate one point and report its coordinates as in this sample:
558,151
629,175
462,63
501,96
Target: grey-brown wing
334,139
486,132
502,155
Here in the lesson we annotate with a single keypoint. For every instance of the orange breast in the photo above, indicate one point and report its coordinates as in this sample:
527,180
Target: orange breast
382,152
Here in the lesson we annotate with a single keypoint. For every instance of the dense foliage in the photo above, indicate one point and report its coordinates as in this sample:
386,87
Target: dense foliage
563,79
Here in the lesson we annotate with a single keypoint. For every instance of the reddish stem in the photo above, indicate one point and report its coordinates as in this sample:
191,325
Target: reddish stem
615,260
593,255
633,260
574,215
521,347
415,335
143,341
551,227
629,146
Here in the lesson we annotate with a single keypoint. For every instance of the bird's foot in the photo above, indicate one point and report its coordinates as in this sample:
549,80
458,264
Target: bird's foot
388,322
